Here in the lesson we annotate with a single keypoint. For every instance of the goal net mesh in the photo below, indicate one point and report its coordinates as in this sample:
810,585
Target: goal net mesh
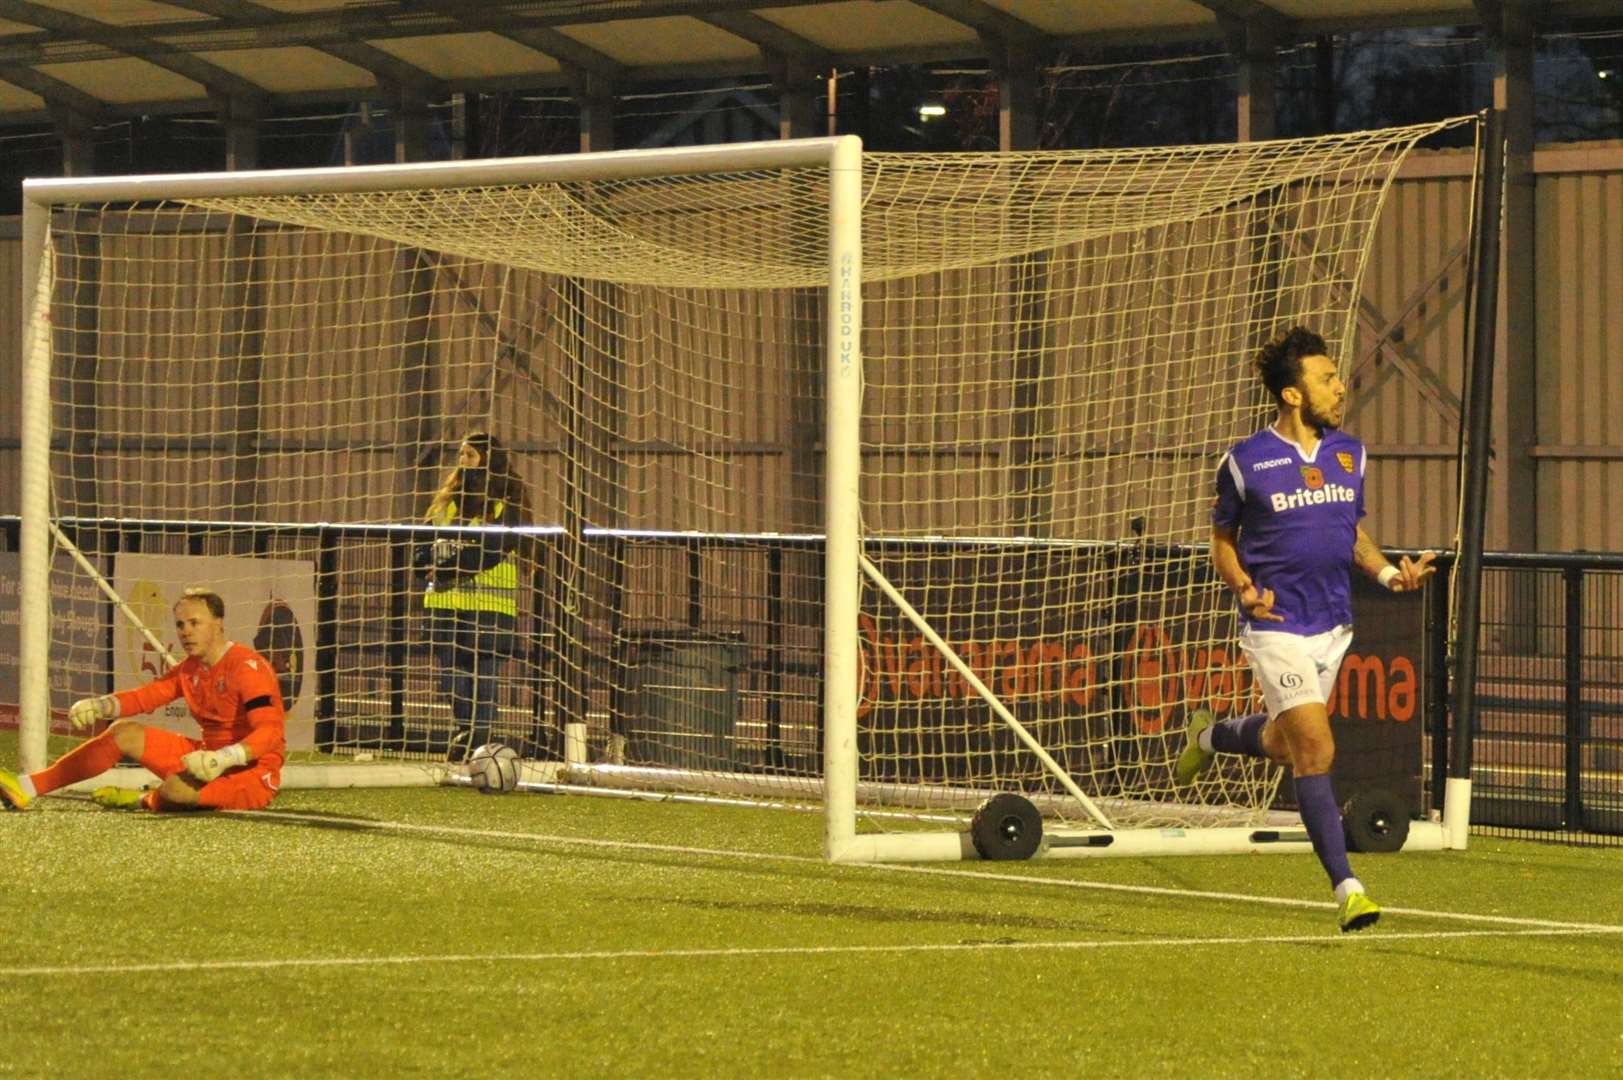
263,394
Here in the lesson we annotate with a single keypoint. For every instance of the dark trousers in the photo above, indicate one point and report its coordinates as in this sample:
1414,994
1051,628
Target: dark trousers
469,648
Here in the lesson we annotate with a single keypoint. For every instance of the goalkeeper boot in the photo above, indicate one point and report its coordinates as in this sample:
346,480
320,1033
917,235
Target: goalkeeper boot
12,795
1194,761
1358,912
118,798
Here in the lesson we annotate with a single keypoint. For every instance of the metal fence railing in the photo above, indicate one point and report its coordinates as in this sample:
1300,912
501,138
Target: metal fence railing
1548,748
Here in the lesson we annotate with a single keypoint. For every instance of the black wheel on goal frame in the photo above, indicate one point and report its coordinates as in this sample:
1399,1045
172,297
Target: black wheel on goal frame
1375,820
1006,826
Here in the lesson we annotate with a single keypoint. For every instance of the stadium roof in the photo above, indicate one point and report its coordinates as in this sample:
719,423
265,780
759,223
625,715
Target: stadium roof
108,58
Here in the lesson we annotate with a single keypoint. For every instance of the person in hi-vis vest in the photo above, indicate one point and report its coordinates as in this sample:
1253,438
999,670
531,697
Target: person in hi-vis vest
472,594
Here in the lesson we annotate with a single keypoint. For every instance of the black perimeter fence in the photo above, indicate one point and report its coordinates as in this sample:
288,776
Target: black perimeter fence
1548,752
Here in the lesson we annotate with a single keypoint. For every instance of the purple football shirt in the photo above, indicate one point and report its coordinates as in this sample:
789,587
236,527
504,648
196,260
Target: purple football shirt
1298,519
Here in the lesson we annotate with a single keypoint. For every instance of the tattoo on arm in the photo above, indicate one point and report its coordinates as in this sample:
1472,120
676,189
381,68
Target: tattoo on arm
1367,554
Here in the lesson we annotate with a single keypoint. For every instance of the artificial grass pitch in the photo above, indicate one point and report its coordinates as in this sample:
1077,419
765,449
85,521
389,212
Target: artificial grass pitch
560,936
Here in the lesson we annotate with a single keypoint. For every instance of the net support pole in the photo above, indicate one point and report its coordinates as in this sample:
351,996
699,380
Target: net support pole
33,626
841,504
975,682
1479,418
111,594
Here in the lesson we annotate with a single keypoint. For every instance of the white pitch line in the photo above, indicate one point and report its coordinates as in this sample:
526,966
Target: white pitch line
900,868
779,950
1274,901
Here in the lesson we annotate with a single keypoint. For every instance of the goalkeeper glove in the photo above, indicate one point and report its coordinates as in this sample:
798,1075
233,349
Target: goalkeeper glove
87,711
207,765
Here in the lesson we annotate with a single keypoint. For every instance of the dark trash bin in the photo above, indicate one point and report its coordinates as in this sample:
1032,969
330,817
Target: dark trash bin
682,699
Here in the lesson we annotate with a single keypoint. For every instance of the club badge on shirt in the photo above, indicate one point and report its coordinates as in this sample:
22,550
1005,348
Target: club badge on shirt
1345,459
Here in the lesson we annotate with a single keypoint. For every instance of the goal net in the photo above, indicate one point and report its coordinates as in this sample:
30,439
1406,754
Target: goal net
885,483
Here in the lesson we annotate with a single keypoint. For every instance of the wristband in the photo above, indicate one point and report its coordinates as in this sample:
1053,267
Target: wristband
1384,578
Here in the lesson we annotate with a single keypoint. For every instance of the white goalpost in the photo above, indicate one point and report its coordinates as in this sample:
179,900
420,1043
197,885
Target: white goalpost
869,482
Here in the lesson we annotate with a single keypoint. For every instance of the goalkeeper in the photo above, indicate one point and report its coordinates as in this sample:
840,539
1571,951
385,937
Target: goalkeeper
231,691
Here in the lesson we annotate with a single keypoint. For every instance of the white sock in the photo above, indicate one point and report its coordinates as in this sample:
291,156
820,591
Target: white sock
1347,888
1205,739
26,782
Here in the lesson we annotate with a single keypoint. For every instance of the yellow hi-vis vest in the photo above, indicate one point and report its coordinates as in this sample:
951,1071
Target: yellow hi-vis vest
495,588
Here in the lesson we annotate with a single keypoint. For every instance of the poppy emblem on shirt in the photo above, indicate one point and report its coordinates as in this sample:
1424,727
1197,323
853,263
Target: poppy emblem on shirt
1313,477
1346,460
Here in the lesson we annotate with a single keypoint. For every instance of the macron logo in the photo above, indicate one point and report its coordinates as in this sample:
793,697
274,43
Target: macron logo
1329,493
1271,463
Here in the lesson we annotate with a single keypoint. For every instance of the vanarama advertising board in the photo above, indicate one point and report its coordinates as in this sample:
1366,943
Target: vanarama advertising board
1096,650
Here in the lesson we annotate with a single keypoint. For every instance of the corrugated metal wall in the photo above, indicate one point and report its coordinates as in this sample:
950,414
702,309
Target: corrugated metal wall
1580,349
1406,379
1406,357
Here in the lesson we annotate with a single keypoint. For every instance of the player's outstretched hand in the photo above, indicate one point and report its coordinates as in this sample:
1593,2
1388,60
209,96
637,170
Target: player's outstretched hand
206,765
87,711
1259,605
1412,575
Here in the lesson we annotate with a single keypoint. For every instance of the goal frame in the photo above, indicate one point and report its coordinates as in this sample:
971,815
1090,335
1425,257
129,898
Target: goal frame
841,156
844,564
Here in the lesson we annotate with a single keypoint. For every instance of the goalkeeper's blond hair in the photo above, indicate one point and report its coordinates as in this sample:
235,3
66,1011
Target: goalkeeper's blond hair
208,597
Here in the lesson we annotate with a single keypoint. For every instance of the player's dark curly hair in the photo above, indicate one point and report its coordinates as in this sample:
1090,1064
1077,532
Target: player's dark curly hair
1279,362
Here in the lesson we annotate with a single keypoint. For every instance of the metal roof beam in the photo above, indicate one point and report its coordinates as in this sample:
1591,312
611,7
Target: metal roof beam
1250,28
55,92
797,69
567,51
234,11
985,20
792,61
1244,9
769,37
383,66
581,60
1253,32
130,42
592,74
375,21
245,24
